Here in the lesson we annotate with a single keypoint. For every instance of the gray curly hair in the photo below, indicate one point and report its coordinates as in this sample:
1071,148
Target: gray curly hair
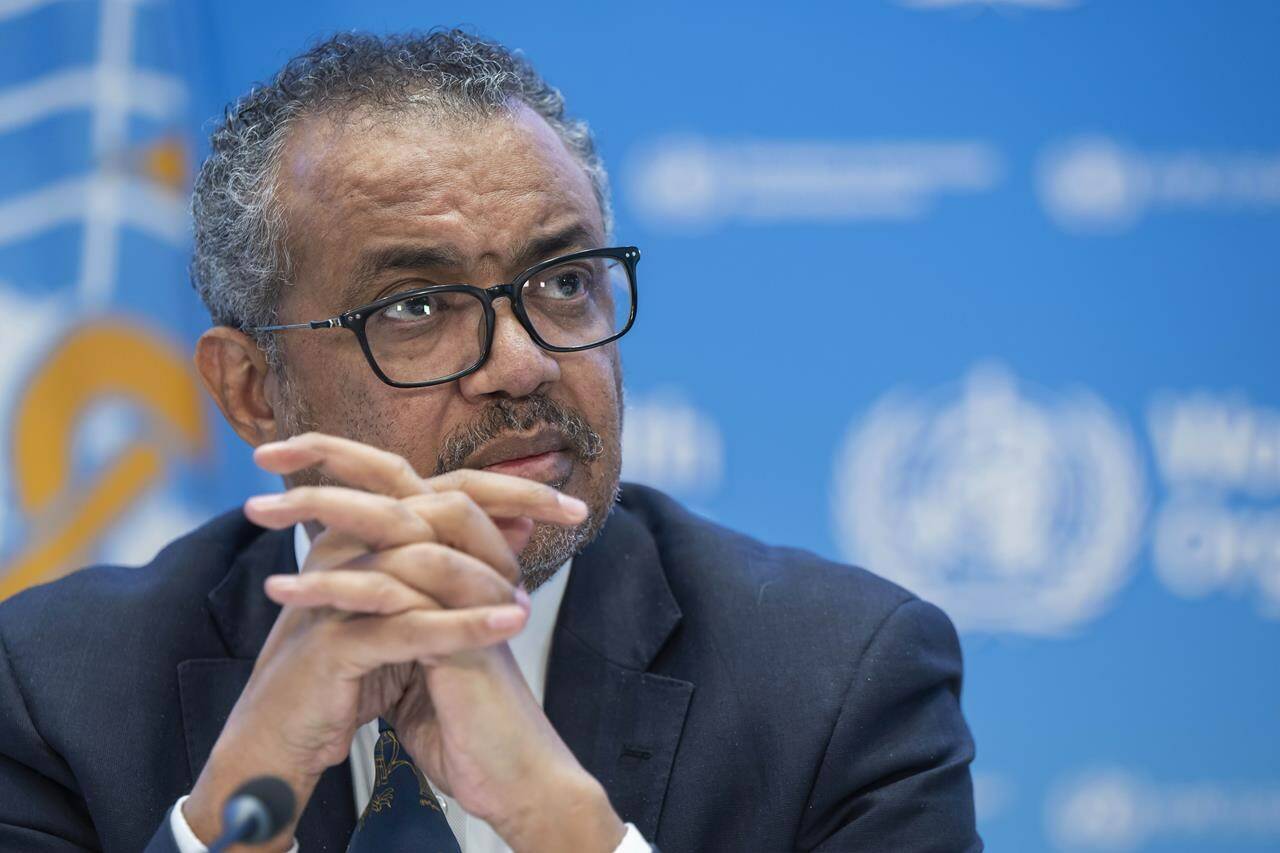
240,257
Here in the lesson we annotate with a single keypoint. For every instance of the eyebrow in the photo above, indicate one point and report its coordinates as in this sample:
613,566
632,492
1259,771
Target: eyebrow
409,256
575,236
375,262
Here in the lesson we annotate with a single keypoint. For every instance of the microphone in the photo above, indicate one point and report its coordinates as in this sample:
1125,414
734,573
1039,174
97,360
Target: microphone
256,811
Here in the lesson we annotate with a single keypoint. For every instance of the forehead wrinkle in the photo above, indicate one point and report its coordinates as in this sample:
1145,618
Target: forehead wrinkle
439,191
377,173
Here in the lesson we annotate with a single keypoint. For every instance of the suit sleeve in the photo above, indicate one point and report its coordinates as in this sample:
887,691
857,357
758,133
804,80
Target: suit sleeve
40,808
895,775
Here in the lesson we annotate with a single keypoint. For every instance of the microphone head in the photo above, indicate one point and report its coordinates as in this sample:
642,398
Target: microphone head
270,800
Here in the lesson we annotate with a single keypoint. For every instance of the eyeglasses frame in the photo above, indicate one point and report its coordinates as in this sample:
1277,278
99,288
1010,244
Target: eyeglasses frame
355,319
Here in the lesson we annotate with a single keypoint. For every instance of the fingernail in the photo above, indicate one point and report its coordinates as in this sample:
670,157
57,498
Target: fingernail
265,502
506,618
522,597
284,583
573,505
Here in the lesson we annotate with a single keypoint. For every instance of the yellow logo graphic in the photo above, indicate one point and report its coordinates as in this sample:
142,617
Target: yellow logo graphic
65,517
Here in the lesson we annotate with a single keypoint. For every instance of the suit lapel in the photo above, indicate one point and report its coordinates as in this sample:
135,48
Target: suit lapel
621,721
209,688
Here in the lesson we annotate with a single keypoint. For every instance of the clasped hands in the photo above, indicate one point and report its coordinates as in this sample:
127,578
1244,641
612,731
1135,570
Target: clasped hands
402,610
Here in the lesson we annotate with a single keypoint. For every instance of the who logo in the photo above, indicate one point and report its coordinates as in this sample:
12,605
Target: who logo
101,417
1013,511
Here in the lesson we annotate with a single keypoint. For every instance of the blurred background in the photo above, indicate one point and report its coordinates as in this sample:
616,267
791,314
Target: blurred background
981,294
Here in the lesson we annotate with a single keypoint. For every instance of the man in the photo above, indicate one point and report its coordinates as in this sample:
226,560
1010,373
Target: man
546,661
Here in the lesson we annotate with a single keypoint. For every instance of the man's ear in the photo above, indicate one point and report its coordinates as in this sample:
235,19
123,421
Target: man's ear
240,381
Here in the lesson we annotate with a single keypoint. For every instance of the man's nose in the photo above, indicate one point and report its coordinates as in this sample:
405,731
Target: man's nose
517,367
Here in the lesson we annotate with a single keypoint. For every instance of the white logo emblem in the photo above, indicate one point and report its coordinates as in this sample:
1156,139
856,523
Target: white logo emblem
695,182
670,444
1094,184
1114,809
1091,184
1011,514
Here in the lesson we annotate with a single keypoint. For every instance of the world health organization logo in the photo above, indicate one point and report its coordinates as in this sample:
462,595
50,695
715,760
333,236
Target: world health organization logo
1013,512
1096,185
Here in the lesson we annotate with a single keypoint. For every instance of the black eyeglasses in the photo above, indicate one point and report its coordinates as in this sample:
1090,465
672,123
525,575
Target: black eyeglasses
436,334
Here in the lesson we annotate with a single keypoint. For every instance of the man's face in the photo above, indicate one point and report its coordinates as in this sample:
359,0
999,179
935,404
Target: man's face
370,204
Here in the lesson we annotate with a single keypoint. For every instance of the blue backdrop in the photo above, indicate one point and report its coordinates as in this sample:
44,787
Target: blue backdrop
979,293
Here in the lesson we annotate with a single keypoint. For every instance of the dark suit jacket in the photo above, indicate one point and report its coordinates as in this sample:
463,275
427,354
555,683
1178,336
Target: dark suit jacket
729,695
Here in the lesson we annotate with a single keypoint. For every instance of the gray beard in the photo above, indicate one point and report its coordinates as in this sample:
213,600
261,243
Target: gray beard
551,546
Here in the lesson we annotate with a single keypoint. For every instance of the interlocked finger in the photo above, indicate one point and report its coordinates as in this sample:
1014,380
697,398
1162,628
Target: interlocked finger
377,521
448,576
460,523
416,635
505,496
352,591
348,462
423,575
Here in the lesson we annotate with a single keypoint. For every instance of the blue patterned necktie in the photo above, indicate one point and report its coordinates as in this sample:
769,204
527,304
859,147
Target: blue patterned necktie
403,815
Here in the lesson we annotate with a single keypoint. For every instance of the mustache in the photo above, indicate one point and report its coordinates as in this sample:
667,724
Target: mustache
506,416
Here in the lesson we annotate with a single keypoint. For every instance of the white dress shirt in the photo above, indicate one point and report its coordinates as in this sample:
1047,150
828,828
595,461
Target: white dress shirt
531,649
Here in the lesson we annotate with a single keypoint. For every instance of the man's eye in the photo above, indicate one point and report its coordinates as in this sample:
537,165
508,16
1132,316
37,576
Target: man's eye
563,284
416,308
